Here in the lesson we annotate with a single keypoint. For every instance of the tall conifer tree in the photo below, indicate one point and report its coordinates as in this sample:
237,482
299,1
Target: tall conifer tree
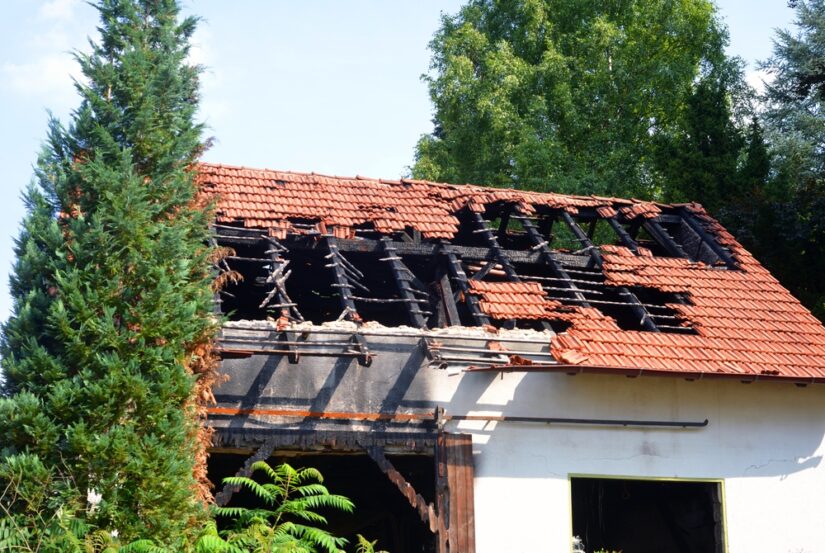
112,302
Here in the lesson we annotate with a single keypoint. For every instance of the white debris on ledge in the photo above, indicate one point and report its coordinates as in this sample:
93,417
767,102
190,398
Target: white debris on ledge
374,328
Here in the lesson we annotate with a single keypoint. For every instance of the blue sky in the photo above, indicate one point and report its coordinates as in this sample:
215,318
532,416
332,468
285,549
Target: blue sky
326,86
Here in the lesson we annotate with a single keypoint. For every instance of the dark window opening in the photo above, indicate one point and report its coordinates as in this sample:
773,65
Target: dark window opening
381,512
646,516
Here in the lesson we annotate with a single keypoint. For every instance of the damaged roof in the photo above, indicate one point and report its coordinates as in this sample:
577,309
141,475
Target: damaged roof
743,323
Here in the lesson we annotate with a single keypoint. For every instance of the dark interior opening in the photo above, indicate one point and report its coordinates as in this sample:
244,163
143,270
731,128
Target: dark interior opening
429,271
374,287
310,286
381,512
646,516
645,240
380,284
241,297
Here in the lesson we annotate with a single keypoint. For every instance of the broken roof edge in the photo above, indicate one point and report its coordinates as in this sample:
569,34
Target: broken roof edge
514,336
633,372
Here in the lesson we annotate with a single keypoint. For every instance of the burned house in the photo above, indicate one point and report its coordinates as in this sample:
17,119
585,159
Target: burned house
494,370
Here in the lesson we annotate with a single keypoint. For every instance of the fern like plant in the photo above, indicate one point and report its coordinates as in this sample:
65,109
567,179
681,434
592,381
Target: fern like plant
289,522
367,546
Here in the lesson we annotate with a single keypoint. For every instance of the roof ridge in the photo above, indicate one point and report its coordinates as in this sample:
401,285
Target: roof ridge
446,185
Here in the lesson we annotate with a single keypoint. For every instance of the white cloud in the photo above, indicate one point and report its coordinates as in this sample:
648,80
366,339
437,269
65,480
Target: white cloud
62,10
51,40
48,78
212,106
199,51
757,79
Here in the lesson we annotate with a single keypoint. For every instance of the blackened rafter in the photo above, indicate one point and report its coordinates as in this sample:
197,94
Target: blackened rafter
342,282
596,256
624,236
456,271
483,228
541,245
712,243
658,232
413,298
278,274
426,511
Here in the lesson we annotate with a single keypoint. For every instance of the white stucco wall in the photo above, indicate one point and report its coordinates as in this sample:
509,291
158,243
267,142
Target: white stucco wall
764,441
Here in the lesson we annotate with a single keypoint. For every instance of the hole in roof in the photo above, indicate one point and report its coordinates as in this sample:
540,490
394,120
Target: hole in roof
416,284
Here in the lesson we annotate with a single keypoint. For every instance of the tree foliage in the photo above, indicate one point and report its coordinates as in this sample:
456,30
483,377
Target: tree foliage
111,289
637,98
790,228
560,94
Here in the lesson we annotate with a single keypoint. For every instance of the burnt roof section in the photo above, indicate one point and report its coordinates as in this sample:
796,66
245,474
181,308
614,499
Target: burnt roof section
742,322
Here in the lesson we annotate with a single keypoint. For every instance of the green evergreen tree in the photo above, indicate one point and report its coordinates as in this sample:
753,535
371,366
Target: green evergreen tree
790,230
112,301
563,95
715,153
699,161
795,99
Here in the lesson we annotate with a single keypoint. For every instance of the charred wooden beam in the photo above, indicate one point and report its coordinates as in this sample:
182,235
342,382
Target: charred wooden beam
505,222
541,246
261,454
711,242
632,301
581,236
420,441
483,228
591,229
429,249
341,282
404,282
456,271
498,253
277,278
447,298
663,238
485,269
624,237
426,511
